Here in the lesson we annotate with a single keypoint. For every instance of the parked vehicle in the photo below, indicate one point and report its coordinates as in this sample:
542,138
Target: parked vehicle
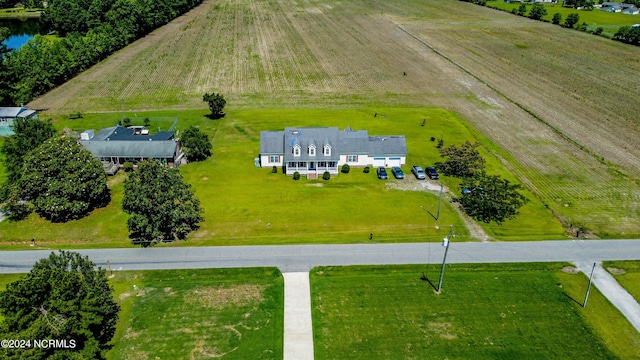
397,172
418,172
382,173
432,173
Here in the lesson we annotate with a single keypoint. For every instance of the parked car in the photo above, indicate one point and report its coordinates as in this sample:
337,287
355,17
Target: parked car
397,172
418,172
432,173
382,173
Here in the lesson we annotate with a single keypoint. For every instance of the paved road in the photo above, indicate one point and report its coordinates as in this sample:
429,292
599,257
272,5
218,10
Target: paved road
301,258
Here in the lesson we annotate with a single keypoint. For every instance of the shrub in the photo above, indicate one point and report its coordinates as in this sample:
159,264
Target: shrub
366,170
18,210
274,169
326,175
296,176
346,168
128,166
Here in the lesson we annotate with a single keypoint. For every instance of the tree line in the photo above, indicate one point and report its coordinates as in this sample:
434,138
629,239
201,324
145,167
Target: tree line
625,34
89,30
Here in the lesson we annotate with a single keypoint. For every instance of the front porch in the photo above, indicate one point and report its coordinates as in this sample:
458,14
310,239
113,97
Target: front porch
312,169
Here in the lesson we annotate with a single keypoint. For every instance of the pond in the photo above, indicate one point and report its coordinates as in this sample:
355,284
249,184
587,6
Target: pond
21,31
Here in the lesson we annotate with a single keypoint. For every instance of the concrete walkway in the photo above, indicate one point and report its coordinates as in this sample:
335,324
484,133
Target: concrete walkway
610,288
298,332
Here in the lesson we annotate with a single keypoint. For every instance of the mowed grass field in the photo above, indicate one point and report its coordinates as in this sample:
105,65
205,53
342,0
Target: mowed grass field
197,314
557,106
498,311
247,205
627,273
610,22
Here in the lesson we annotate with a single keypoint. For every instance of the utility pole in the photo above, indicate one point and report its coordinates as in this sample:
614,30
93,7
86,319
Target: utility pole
445,243
586,297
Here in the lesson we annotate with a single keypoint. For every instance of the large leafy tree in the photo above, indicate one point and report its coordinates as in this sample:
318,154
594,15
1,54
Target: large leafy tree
162,206
490,198
63,298
216,104
537,12
571,20
29,134
196,144
63,181
461,161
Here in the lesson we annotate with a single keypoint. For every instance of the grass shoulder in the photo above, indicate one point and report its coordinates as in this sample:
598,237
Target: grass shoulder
485,311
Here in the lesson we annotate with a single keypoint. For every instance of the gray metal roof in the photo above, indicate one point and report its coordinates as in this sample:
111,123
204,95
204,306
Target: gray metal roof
135,149
13,112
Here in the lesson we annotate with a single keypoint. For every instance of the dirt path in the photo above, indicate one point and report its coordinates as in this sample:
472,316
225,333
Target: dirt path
410,184
610,288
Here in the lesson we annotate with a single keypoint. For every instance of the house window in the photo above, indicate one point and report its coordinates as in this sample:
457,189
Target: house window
312,150
292,164
296,150
332,164
274,159
327,150
302,164
352,158
322,164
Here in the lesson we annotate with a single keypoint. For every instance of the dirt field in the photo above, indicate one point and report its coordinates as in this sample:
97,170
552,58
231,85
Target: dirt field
563,105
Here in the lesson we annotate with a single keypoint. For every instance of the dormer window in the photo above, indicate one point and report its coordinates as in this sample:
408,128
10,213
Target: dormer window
296,150
327,150
312,150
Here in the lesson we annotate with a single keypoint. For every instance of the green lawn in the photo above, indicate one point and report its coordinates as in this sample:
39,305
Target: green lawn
178,314
182,314
497,311
610,22
246,205
627,273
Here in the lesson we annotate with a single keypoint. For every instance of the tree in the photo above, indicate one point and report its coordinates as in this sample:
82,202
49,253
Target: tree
571,20
462,161
162,207
196,144
490,198
537,12
61,298
29,134
557,19
63,180
216,104
5,73
522,9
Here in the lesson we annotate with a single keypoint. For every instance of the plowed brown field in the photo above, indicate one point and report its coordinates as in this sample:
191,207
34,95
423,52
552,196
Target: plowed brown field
562,105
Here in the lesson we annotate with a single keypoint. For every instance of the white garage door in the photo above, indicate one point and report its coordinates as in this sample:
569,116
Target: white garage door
378,162
394,162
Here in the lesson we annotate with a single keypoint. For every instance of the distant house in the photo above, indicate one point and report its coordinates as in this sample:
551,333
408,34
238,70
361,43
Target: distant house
632,10
117,145
9,114
312,151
